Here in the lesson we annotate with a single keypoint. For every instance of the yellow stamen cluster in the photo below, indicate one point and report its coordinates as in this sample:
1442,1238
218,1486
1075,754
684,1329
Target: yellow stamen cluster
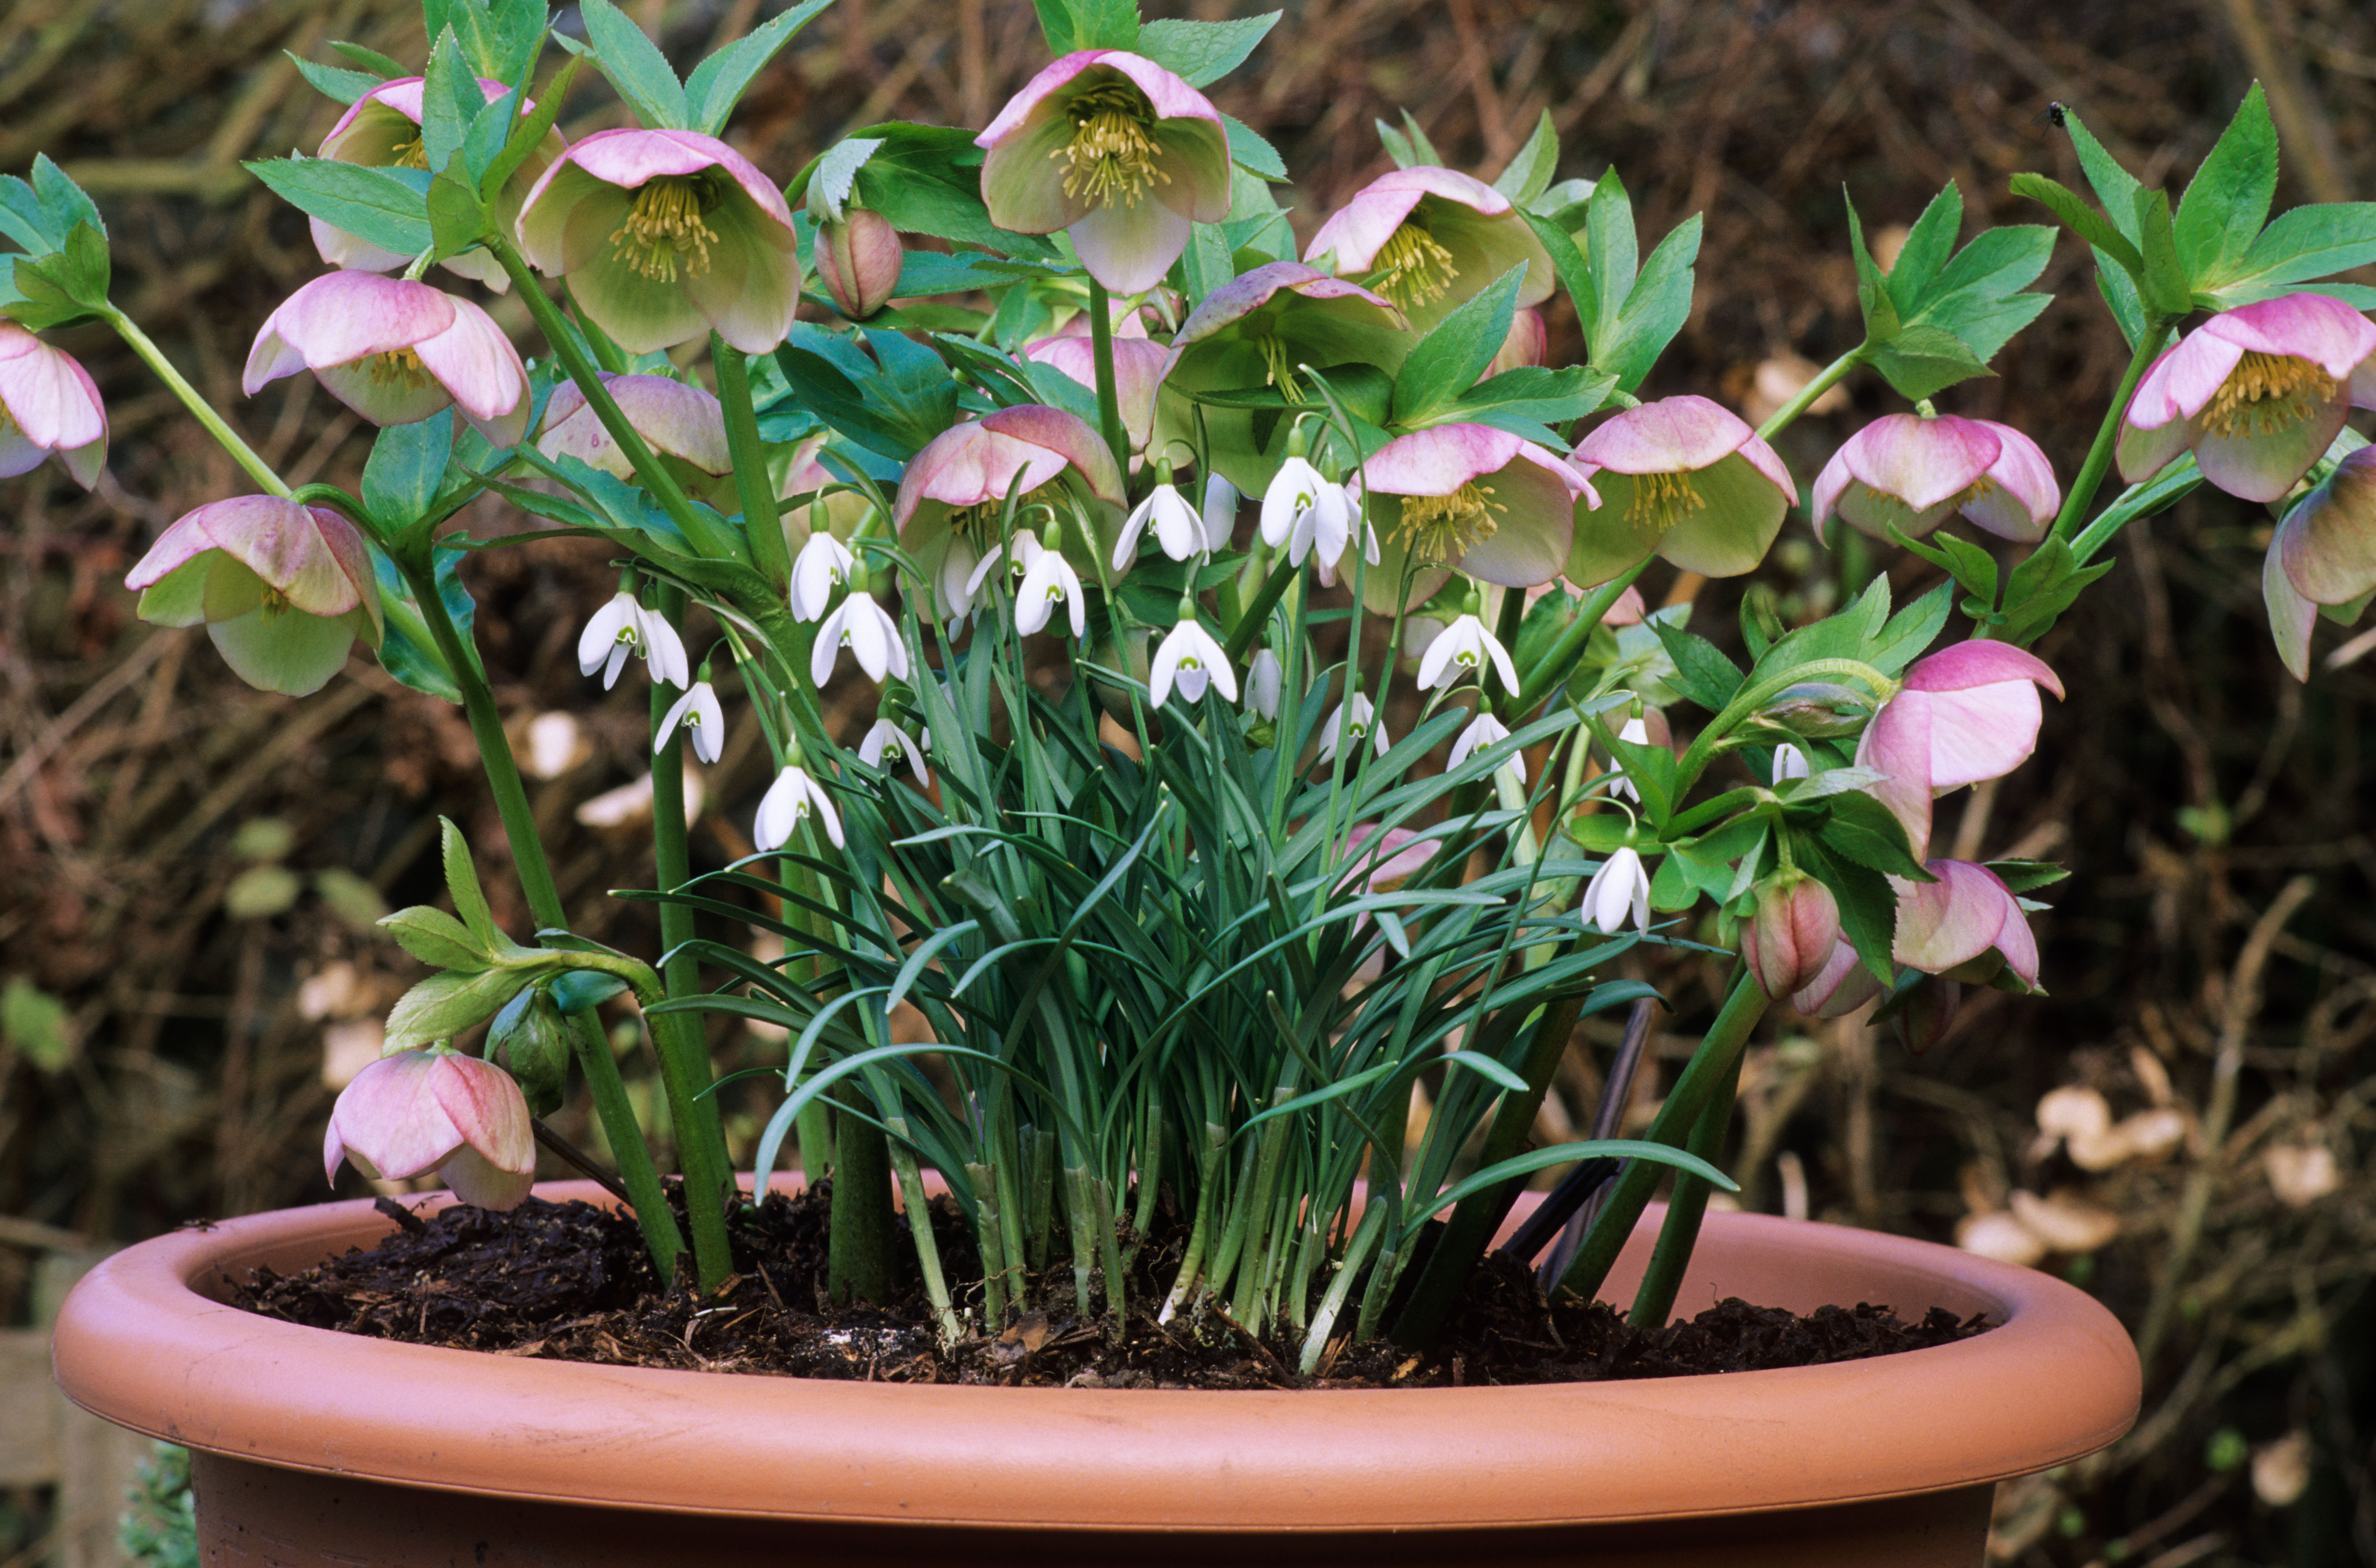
2265,394
401,366
1660,501
1441,529
1111,156
1411,269
410,154
664,227
1278,369
979,525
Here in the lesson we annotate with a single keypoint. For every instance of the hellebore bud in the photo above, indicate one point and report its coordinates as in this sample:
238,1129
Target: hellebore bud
527,1033
1791,936
859,260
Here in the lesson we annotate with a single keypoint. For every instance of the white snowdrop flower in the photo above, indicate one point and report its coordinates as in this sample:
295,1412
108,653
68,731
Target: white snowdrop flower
1326,526
789,801
822,563
952,590
1790,762
1621,887
886,745
1049,578
1220,513
1327,565
1485,730
1190,659
1462,649
866,629
1018,559
624,626
1293,489
1177,526
1352,721
1264,678
1635,732
698,711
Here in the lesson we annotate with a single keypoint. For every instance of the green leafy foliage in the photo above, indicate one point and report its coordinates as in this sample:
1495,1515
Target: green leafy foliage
499,39
892,405
388,208
1530,168
1073,25
1940,315
408,651
1447,361
330,81
1630,309
1250,152
635,65
1200,54
718,83
406,468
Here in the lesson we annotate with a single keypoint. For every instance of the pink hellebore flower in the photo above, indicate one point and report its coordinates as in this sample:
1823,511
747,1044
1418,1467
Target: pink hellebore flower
1685,479
381,130
1467,498
682,425
440,1111
1907,473
1789,940
1527,342
1384,861
48,403
858,259
1428,239
952,496
2257,394
282,589
1115,150
396,352
1841,986
664,235
2325,553
1966,925
1965,713
1138,372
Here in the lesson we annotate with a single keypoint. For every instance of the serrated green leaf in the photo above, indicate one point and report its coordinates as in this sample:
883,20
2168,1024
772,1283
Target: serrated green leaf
1868,904
371,60
499,40
719,81
831,180
1397,146
1859,826
1250,152
457,219
2164,286
1655,310
445,1004
1880,310
450,100
331,81
437,938
2229,198
2308,243
1200,54
1902,640
1611,253
462,886
1921,360
1927,245
2025,876
388,208
407,464
1531,400
1971,566
635,65
1447,361
1702,672
67,203
529,129
2114,186
407,650
1530,170
2081,219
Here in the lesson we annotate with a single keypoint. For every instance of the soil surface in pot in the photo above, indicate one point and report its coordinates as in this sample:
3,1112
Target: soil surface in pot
572,1282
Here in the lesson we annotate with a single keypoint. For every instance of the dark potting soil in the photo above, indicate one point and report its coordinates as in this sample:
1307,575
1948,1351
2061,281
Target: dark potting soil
572,1282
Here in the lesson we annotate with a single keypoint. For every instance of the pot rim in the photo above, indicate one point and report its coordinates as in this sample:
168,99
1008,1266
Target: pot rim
140,1343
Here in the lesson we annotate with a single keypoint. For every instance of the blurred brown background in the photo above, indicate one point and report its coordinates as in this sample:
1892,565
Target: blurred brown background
188,869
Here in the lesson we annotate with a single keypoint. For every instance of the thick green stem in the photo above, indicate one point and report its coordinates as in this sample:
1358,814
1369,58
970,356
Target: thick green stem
1825,380
763,518
678,1038
1559,663
2082,493
1249,624
1108,403
1686,1206
200,409
1708,1069
858,1256
661,1237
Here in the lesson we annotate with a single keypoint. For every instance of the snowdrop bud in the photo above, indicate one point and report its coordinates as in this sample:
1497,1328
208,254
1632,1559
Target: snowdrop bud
1620,888
790,801
823,562
1221,512
1790,762
699,712
1264,679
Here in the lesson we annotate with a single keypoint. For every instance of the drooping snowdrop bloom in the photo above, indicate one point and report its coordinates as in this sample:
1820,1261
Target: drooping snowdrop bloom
1467,498
1017,556
953,498
684,425
1220,513
822,563
1049,579
396,352
1635,731
1190,660
283,589
1790,938
1907,473
1462,649
2256,393
1482,731
1681,477
2325,553
791,800
884,744
1177,526
866,629
664,235
1428,239
1619,889
1965,925
1265,679
1789,763
1349,722
624,628
48,403
421,1110
1117,151
1296,489
698,711
1965,713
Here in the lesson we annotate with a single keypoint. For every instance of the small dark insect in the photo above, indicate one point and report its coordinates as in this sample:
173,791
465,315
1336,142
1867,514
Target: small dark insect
2055,112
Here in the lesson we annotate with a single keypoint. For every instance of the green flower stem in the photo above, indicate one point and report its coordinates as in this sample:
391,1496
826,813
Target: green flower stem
1686,1206
1825,379
1556,665
1710,1067
679,1040
2082,493
200,409
1249,623
1701,750
1108,401
589,377
762,517
661,1237
857,1248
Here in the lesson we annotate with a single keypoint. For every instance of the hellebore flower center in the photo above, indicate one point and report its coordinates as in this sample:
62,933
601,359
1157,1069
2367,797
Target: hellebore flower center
1112,157
399,367
1443,527
1411,269
665,224
1660,501
2267,393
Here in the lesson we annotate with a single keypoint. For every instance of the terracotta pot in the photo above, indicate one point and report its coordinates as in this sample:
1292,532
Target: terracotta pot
313,1446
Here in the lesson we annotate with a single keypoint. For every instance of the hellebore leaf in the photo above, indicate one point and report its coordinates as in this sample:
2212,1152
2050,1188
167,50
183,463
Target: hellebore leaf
1611,253
450,100
2307,243
528,130
1531,400
2228,200
499,40
1880,310
1655,310
1868,904
2164,285
1075,25
635,65
445,1004
1249,151
407,651
1927,245
1919,361
1447,361
1702,672
835,172
718,83
1530,170
1200,54
462,886
435,937
331,81
407,463
384,206
1859,827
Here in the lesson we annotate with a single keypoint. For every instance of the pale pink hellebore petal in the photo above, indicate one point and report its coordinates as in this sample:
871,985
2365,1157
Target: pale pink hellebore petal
2327,542
858,259
48,403
1967,713
664,235
1138,372
949,499
1682,478
1839,988
2291,617
1429,238
2257,393
396,352
1467,498
421,1111
1789,939
1906,471
676,421
282,589
1384,861
1958,919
